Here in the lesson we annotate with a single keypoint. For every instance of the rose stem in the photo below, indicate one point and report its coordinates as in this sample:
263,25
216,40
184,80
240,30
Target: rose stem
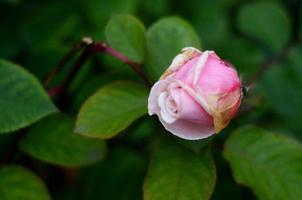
67,57
91,48
103,47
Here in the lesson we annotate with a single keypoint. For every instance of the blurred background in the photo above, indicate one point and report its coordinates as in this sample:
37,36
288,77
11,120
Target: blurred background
261,38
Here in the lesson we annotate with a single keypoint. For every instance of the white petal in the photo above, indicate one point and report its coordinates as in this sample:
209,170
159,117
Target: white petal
166,117
186,54
199,66
188,130
164,113
192,49
161,100
177,62
156,90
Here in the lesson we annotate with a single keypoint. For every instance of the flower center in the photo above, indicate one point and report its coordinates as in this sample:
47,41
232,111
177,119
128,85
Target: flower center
168,107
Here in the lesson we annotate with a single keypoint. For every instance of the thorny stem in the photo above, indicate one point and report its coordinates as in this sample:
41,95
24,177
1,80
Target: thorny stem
91,48
68,56
134,65
88,51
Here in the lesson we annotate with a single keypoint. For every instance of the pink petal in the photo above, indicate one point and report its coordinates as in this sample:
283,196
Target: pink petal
217,78
189,108
156,90
188,130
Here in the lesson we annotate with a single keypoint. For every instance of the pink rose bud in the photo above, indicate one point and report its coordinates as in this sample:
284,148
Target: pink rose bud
197,95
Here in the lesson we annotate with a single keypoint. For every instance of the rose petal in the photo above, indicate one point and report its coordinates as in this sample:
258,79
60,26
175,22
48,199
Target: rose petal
156,90
188,130
189,108
166,115
202,60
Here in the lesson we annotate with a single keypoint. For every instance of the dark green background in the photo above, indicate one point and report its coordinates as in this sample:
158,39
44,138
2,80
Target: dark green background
262,39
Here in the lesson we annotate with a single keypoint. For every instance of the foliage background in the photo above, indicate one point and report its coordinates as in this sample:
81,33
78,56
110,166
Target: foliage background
121,153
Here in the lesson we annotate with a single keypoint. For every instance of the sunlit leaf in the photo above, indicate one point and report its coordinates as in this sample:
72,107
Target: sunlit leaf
126,34
111,109
165,39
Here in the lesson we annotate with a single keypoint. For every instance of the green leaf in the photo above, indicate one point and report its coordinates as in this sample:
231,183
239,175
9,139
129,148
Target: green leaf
143,130
23,100
266,22
153,12
126,34
195,145
300,19
48,57
6,141
52,140
99,12
211,22
18,183
111,109
281,86
11,42
175,172
92,85
226,186
11,2
119,176
244,55
48,25
268,163
165,39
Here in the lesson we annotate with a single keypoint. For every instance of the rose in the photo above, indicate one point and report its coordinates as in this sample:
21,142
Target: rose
197,95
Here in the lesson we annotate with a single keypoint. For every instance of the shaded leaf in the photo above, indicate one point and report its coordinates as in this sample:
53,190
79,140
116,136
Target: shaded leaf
195,145
176,172
269,164
11,41
52,140
150,11
23,100
211,22
100,11
244,55
142,130
47,57
281,86
48,25
119,177
18,183
266,22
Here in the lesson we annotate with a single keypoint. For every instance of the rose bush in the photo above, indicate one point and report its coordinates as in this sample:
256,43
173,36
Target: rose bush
75,80
197,95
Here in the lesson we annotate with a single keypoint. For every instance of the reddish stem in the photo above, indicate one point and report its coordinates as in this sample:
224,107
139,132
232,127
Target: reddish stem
67,57
91,49
54,91
134,65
